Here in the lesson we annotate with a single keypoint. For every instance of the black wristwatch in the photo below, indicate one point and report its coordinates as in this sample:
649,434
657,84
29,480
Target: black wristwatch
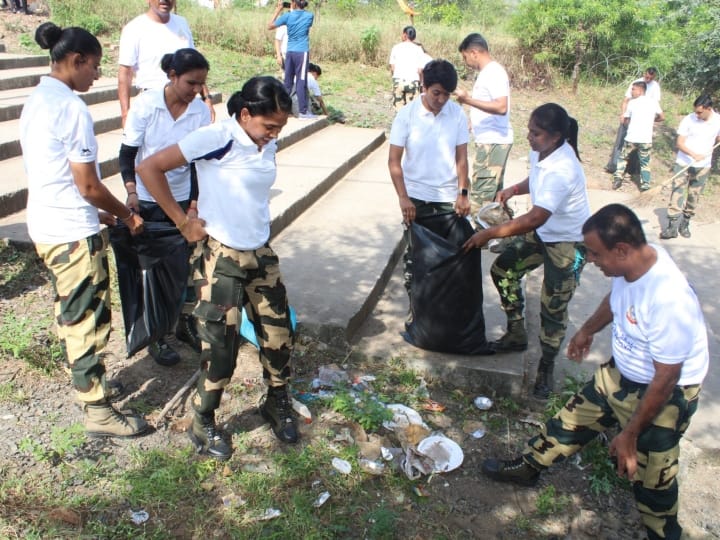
463,192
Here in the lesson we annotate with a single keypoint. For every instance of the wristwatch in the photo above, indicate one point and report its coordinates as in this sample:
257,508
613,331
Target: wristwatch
463,192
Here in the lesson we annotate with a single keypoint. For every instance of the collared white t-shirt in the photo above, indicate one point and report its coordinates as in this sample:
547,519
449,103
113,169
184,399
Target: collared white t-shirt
234,180
492,83
700,137
407,58
658,317
430,143
313,86
557,184
652,90
55,130
143,43
150,127
641,111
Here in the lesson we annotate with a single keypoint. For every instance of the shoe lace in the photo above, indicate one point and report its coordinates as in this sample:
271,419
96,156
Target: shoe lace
284,408
515,464
210,430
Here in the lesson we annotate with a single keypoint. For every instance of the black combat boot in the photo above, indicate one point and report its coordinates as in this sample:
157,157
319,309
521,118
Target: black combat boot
207,439
684,227
671,230
163,354
517,471
278,411
544,383
186,331
515,339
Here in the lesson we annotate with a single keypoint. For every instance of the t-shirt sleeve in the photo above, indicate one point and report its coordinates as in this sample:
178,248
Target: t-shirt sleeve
281,20
555,190
463,134
498,85
202,142
314,87
684,127
673,320
80,143
128,53
400,128
136,124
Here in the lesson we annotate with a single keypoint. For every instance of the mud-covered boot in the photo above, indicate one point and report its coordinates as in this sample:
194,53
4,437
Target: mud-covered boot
684,227
186,331
207,439
671,229
544,383
277,410
517,471
103,420
515,339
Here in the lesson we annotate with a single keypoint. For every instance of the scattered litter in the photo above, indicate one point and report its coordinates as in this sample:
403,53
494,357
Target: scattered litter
422,391
138,517
316,484
403,417
261,468
372,467
414,464
330,375
420,491
433,406
302,410
231,500
270,513
341,465
483,403
322,499
478,433
344,436
388,454
445,453
576,460
367,378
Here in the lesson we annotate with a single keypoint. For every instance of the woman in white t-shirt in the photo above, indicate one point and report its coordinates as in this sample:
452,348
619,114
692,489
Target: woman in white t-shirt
550,234
157,119
235,161
64,194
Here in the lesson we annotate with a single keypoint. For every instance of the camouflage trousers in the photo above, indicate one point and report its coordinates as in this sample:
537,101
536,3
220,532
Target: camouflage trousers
79,274
423,209
404,92
610,399
686,190
227,280
488,173
643,155
562,264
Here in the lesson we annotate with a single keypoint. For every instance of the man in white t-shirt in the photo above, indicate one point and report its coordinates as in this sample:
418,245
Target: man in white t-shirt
280,44
652,91
406,62
650,387
640,116
697,135
143,43
489,118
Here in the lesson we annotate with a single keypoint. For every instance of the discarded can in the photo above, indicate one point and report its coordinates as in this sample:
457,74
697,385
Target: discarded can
341,465
322,499
483,403
372,467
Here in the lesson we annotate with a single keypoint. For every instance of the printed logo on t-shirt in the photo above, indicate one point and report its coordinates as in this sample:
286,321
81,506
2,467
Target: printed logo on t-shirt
630,315
85,152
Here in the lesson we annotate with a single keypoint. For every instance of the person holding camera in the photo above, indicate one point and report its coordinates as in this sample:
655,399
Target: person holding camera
298,23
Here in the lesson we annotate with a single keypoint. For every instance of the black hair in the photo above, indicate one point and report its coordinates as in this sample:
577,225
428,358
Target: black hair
301,4
182,61
641,84
63,41
410,32
704,100
651,71
260,96
616,223
552,118
440,72
314,68
473,41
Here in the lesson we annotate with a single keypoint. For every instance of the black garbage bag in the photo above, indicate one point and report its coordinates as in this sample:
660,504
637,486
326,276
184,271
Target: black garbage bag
446,288
152,270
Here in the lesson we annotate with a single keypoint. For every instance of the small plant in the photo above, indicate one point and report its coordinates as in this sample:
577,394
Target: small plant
362,408
382,523
370,42
10,394
66,440
548,502
603,474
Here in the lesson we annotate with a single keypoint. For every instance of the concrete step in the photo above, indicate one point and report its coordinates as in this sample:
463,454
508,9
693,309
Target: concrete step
338,255
13,61
23,77
293,192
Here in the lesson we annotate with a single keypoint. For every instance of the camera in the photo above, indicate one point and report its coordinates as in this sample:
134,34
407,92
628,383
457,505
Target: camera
286,5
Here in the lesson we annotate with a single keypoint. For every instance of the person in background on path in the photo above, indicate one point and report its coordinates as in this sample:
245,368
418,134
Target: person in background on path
640,116
406,63
236,168
17,6
316,100
428,153
298,22
280,42
697,134
650,386
548,235
652,91
64,194
489,119
143,43
157,119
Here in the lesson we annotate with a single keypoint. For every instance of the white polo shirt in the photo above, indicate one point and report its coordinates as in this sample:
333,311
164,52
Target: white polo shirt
55,130
143,43
492,83
700,137
658,317
641,111
150,127
557,184
652,90
407,58
234,180
430,144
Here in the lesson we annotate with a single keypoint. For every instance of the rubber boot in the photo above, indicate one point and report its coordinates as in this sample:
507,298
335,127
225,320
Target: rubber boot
207,439
103,420
671,229
515,339
684,227
544,383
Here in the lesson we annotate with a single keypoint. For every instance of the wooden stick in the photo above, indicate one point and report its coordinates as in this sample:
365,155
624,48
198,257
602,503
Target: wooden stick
176,398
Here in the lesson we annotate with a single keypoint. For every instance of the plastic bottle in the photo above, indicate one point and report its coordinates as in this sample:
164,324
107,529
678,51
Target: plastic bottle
302,410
